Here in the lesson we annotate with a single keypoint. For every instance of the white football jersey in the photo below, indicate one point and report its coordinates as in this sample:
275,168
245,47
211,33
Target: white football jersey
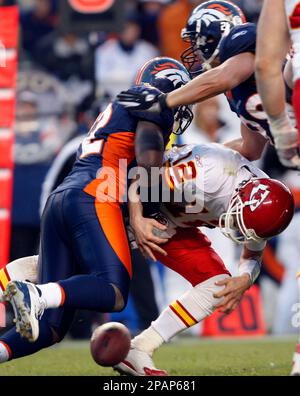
203,179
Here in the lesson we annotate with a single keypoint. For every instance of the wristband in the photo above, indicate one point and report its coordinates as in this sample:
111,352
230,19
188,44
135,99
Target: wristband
251,267
255,246
284,134
280,124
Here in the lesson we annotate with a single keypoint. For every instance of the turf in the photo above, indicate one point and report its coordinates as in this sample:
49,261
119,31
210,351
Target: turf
266,356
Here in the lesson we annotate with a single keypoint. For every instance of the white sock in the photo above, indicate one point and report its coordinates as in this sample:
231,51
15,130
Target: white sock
296,360
189,309
4,352
52,294
22,269
148,341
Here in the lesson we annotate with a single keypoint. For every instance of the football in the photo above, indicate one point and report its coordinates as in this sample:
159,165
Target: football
110,344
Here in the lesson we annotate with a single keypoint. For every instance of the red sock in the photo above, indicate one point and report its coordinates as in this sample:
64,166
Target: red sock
296,105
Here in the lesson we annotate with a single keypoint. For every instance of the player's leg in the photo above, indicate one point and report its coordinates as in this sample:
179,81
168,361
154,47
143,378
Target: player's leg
52,329
270,55
95,234
190,255
103,253
98,239
55,262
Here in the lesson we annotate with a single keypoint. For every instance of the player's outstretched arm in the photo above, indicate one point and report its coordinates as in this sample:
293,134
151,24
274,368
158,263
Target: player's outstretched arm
149,151
272,47
223,78
211,83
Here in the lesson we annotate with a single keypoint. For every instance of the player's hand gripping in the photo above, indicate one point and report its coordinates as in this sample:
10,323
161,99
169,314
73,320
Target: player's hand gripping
145,100
145,236
232,293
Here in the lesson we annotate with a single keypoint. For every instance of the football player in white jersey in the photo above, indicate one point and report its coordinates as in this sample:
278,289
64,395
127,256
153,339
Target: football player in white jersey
279,27
211,185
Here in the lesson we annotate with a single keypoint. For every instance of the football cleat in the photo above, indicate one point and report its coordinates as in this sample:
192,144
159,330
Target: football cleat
139,364
28,308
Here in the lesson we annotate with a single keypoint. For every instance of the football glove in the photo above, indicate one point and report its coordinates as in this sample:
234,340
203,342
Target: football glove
145,100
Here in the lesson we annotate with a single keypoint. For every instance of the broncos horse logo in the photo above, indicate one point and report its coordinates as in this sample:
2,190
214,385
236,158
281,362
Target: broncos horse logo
219,7
207,16
218,12
171,72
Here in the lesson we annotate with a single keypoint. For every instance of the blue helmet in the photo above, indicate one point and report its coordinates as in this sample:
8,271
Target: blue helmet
206,27
167,74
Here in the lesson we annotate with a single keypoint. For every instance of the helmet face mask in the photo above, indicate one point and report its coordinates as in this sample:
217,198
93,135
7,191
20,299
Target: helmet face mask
261,209
208,24
233,226
168,74
183,119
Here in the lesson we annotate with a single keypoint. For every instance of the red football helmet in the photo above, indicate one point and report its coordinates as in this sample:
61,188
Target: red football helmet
261,209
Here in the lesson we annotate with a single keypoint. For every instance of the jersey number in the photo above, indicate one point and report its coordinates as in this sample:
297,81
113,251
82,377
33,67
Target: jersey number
255,109
181,173
92,145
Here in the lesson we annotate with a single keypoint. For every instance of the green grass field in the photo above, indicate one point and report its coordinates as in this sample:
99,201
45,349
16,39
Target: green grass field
265,356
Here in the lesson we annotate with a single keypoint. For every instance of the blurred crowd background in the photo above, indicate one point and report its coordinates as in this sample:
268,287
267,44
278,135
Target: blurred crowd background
65,79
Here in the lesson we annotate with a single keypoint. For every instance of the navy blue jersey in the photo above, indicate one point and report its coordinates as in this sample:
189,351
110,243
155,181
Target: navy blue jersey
244,100
110,140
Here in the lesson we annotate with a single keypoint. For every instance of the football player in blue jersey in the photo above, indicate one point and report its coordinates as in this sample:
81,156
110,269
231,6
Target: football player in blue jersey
84,258
222,60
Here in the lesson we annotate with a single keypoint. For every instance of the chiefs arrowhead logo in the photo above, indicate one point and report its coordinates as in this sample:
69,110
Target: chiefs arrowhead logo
91,6
257,196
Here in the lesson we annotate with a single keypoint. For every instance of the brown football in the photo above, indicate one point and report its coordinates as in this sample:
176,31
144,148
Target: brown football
110,344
